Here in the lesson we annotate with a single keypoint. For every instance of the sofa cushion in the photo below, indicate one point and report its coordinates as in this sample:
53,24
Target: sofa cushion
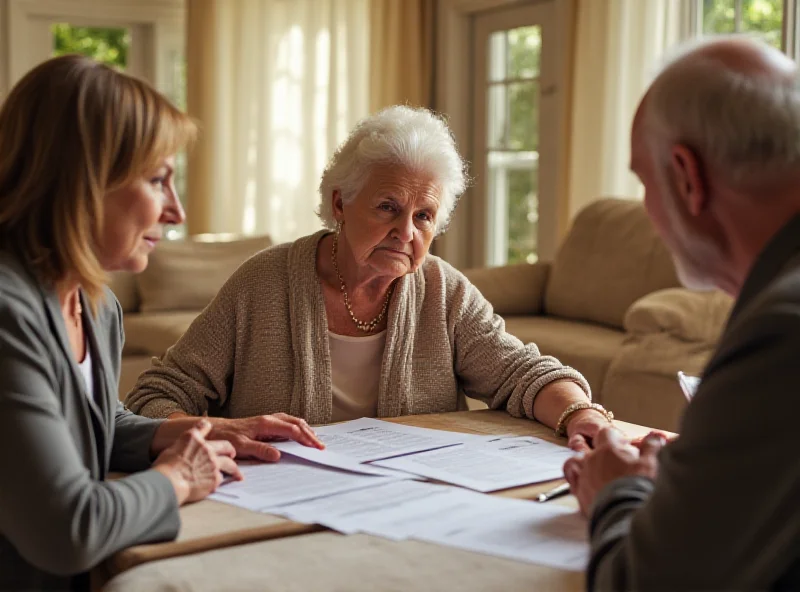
153,332
512,289
587,347
130,370
681,313
126,289
642,385
610,258
186,275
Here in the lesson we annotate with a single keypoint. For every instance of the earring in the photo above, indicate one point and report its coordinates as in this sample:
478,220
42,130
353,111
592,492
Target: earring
338,228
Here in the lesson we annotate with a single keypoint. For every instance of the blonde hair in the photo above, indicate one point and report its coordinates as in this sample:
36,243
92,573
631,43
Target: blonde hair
71,131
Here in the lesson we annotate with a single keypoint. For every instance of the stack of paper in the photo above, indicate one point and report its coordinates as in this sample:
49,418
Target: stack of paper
521,530
363,483
482,463
516,529
489,465
389,509
364,440
290,480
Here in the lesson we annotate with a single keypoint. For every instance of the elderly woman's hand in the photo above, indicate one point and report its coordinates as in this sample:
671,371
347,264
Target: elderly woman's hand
194,464
612,458
250,435
583,427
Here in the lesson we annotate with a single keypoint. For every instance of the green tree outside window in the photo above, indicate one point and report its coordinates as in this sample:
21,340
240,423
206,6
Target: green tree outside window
107,45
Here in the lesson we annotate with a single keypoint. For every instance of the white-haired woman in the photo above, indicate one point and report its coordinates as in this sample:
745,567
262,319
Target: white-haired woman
363,321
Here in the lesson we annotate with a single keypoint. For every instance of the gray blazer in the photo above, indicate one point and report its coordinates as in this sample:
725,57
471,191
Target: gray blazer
724,512
58,517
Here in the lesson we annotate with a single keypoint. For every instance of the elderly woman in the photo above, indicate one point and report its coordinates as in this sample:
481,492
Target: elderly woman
363,321
86,187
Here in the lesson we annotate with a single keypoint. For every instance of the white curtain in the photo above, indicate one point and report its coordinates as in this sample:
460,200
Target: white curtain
276,86
619,46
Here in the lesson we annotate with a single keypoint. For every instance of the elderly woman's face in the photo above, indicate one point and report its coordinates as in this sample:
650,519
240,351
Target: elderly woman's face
390,224
134,218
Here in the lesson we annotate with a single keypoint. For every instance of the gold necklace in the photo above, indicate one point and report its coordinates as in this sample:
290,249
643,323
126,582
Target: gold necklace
366,327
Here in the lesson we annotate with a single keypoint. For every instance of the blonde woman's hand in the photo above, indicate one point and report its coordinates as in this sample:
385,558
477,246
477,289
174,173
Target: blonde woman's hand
195,465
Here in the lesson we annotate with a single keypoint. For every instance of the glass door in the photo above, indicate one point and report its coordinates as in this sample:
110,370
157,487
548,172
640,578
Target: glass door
513,93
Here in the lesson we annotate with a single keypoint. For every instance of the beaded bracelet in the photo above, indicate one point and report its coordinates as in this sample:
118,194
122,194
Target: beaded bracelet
561,426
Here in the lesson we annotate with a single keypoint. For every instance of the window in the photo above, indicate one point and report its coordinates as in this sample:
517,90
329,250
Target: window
512,155
111,46
107,45
148,44
509,78
764,18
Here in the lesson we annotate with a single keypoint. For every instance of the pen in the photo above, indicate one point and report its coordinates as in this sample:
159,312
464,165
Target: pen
562,489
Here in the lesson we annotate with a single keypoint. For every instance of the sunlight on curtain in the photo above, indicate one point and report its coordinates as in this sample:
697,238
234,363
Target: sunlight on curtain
619,47
288,81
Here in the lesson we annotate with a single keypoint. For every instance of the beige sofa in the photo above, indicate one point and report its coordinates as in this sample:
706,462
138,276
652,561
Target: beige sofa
611,306
160,303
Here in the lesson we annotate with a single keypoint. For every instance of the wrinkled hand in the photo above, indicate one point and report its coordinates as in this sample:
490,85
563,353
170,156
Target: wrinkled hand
194,464
249,435
613,457
666,436
583,427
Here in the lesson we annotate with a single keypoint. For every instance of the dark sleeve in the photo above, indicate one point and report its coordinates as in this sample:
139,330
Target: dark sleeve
52,511
133,434
724,512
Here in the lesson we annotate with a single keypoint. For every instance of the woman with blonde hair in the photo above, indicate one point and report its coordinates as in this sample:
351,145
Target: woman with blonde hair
86,187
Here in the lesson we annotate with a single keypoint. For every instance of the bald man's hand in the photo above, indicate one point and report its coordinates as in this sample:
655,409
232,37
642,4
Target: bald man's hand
613,457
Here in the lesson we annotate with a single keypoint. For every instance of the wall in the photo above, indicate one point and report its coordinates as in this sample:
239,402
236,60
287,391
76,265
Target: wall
3,48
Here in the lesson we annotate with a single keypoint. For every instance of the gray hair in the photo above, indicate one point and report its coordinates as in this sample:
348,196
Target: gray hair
415,138
744,123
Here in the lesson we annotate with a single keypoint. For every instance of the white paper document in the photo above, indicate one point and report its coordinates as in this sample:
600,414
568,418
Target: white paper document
267,485
388,510
516,529
366,439
488,465
689,385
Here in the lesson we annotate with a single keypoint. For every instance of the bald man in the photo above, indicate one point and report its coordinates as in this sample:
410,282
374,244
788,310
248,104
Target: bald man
716,143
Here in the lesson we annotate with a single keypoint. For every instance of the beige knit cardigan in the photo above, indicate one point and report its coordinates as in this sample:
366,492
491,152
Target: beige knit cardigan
261,346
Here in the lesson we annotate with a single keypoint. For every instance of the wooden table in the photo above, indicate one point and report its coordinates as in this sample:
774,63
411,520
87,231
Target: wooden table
225,547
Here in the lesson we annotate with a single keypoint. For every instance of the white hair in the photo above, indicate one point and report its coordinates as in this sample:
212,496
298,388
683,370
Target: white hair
744,123
414,138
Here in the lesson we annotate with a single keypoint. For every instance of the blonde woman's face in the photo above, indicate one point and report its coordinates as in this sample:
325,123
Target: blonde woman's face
135,217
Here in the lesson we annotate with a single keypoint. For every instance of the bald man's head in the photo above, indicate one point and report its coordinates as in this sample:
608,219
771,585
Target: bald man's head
743,55
721,119
734,101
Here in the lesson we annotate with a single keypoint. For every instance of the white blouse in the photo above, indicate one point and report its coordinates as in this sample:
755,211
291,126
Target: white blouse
86,371
355,374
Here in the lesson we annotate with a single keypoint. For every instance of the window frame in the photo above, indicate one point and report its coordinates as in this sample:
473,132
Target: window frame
160,23
453,83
